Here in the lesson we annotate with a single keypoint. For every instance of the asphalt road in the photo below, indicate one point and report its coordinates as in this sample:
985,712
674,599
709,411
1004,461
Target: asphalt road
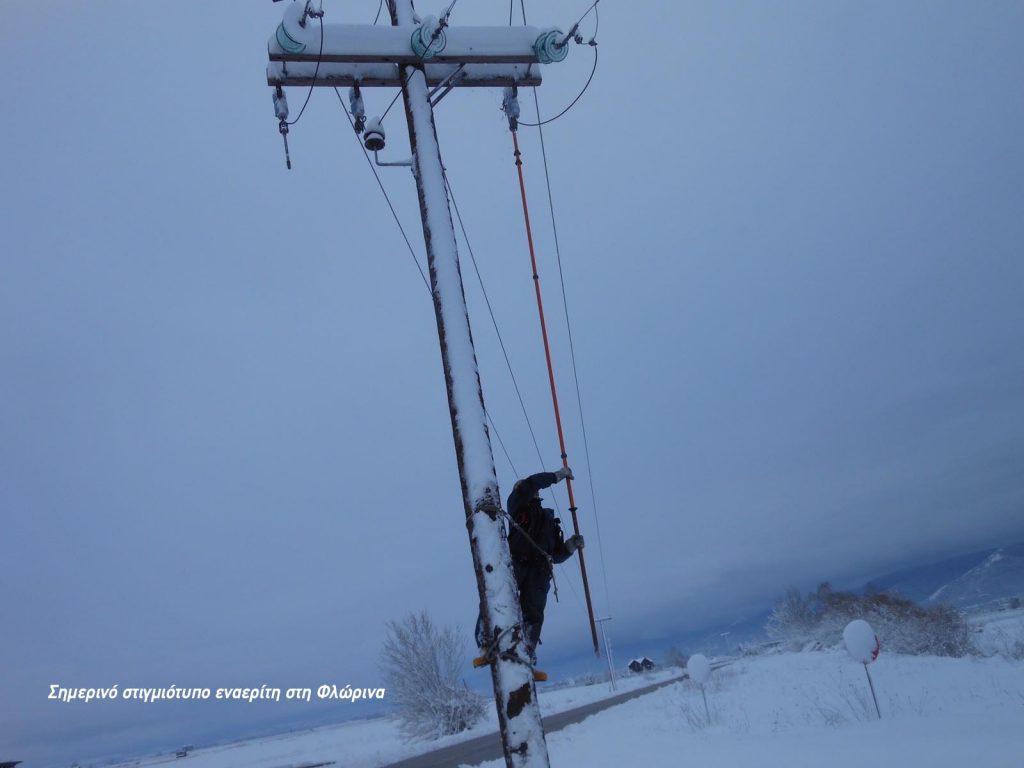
489,747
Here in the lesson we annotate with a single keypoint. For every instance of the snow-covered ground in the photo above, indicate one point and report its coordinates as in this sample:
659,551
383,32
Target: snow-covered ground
376,742
999,633
815,709
804,709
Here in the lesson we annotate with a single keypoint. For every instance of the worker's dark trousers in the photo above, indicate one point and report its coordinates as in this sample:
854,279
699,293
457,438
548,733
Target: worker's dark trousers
533,579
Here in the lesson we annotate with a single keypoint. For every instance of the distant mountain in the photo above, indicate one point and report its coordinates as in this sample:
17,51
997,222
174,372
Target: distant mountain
999,576
967,582
922,581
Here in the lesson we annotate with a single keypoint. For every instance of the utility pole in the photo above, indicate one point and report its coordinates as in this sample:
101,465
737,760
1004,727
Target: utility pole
515,693
608,651
417,55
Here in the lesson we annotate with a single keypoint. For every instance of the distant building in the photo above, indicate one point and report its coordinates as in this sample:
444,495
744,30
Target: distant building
643,664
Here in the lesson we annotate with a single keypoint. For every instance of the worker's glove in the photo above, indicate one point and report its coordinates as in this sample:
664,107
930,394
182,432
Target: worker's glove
574,543
563,473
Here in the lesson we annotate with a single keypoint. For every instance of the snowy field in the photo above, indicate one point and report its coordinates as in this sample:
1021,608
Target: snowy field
792,710
815,709
375,742
1000,633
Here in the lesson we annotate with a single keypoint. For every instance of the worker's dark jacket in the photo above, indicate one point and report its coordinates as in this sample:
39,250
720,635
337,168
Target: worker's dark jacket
538,523
532,569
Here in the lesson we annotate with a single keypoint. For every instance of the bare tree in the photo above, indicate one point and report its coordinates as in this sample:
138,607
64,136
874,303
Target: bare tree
420,664
675,658
792,617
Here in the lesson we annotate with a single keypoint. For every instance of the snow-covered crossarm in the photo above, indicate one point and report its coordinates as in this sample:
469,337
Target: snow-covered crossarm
338,75
365,44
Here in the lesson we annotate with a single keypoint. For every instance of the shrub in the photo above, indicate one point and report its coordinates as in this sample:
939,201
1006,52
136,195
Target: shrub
420,664
902,625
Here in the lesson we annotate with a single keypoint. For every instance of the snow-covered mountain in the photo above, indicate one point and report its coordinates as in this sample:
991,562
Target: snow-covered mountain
969,581
998,576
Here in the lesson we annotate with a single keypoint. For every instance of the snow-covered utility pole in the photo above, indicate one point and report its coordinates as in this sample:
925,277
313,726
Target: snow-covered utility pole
515,692
427,59
607,651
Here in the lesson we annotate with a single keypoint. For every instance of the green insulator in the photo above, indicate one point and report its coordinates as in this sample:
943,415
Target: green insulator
425,47
287,42
548,48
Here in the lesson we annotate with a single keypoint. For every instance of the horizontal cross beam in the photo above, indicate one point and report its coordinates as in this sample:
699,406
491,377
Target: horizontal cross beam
368,75
362,43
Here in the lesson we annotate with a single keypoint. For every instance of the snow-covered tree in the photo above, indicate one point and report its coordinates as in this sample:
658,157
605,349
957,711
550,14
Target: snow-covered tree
902,625
793,617
420,664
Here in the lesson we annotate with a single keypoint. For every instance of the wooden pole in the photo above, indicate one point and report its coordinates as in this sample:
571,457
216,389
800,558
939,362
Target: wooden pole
515,695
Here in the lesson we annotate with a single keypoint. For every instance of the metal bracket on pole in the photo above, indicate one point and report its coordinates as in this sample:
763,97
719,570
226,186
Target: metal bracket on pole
446,85
395,164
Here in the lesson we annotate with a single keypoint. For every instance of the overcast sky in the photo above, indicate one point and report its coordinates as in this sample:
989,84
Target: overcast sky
792,237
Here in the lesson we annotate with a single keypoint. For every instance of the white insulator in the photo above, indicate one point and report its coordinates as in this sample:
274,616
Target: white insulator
373,135
280,104
355,102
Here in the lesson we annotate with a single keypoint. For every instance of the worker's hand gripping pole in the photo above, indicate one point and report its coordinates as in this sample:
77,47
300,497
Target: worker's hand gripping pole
551,376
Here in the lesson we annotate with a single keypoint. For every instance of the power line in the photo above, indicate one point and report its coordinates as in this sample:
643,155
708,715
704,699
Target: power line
494,320
501,443
572,104
426,282
593,69
593,7
483,289
394,100
380,184
508,363
316,71
572,350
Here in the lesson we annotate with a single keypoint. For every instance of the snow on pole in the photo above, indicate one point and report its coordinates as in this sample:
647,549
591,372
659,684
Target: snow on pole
520,726
863,646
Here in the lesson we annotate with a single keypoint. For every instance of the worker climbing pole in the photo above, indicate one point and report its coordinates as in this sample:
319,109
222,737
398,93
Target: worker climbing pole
510,105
